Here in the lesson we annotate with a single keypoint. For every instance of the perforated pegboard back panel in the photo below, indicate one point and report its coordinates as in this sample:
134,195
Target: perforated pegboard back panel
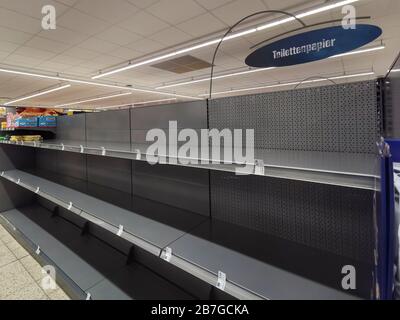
335,118
334,219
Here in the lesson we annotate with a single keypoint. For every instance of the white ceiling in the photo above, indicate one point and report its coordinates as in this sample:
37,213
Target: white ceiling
92,35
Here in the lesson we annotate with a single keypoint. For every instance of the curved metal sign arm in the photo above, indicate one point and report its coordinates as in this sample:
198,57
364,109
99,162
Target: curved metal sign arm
234,26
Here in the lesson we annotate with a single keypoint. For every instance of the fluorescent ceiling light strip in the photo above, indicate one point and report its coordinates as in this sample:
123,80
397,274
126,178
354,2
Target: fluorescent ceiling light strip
117,106
136,103
38,94
154,101
358,52
92,83
394,70
292,83
94,99
214,78
272,24
325,8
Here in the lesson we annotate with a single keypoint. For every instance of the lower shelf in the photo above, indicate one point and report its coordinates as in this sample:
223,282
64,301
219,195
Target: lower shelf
256,266
79,273
92,266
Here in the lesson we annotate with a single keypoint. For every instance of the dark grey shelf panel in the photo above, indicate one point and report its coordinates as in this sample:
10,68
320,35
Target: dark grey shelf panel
202,257
332,168
83,275
141,231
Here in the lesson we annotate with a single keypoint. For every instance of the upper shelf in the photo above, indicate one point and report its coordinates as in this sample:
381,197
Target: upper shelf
331,168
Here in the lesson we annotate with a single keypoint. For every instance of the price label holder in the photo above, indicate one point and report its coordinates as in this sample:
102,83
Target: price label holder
166,254
259,168
120,230
221,282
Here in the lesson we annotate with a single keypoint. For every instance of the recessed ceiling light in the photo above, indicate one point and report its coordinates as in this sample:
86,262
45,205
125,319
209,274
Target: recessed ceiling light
316,10
37,94
94,99
291,83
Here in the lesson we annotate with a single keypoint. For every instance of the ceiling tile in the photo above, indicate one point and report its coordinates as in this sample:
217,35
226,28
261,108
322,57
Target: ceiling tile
175,11
47,45
98,45
202,25
14,36
32,8
118,36
143,23
34,53
16,21
171,36
125,53
212,4
101,62
69,3
111,11
81,53
81,22
54,66
234,11
142,3
65,59
8,47
22,61
286,4
63,35
146,46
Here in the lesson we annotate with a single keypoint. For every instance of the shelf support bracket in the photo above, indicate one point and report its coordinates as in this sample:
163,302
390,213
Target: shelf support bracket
85,228
56,212
131,255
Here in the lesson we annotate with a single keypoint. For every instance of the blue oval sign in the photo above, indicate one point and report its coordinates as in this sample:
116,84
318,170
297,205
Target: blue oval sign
313,46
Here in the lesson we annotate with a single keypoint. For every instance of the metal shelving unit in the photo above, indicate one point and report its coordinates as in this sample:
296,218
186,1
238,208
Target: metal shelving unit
331,168
312,185
200,257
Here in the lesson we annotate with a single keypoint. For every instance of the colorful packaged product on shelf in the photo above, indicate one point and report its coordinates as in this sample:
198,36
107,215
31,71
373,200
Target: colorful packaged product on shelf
26,122
3,125
48,122
11,120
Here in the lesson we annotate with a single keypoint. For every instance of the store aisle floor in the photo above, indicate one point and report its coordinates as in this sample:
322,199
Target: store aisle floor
20,274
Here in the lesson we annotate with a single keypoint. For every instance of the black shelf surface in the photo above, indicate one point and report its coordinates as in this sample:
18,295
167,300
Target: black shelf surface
87,278
271,267
353,170
94,266
143,231
257,265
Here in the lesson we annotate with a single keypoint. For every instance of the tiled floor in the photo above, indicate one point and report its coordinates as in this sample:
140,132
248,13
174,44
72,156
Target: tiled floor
20,274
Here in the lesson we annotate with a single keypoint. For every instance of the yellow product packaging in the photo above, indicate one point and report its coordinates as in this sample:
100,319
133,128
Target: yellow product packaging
32,138
16,138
